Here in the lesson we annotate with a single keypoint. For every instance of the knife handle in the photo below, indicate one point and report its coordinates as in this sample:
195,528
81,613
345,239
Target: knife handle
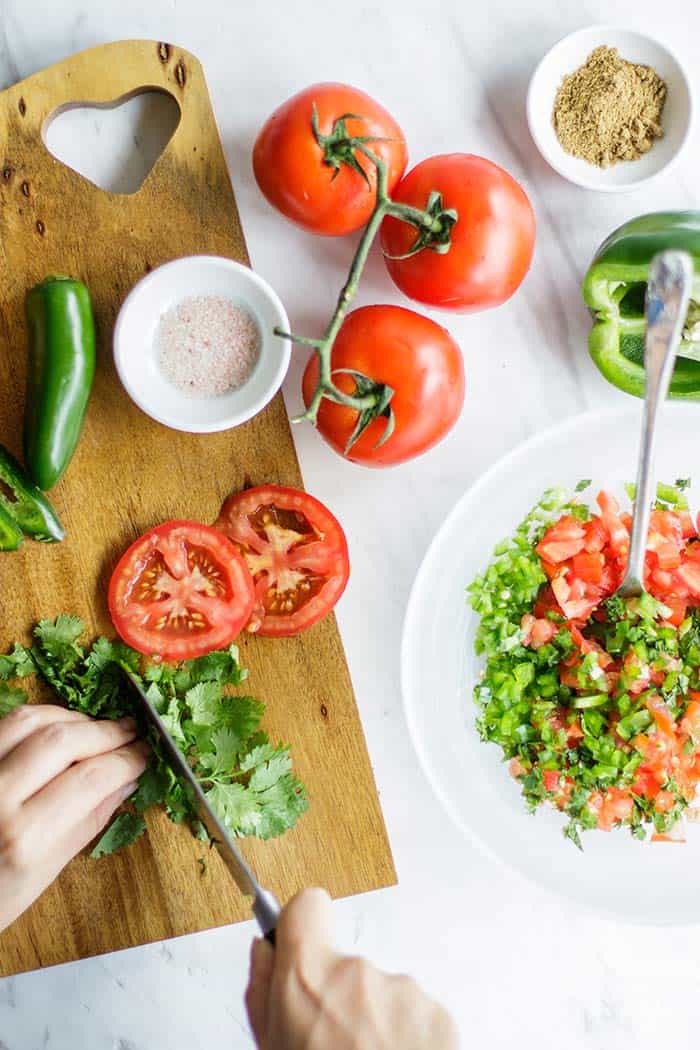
266,909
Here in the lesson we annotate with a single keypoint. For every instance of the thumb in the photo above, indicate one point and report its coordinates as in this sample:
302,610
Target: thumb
262,958
304,928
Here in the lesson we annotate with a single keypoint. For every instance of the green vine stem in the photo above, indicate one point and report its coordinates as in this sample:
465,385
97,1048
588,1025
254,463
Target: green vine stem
433,225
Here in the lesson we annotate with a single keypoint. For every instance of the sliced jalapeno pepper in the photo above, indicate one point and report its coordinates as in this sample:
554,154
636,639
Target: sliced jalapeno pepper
60,372
10,533
25,503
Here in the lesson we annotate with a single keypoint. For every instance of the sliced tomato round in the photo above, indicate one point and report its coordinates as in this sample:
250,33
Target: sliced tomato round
180,591
296,552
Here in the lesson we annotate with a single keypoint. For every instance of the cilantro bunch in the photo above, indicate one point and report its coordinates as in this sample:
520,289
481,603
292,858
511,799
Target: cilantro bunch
248,781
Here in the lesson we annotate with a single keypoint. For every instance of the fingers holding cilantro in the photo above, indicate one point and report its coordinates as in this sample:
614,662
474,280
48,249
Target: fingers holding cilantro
62,776
248,780
595,701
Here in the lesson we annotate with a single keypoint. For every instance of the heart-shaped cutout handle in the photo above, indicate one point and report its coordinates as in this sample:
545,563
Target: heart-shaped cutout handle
115,145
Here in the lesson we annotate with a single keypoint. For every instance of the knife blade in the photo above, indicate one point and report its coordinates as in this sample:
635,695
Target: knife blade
266,908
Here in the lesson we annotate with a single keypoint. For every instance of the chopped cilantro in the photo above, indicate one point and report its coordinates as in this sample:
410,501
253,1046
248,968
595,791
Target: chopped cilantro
248,780
124,829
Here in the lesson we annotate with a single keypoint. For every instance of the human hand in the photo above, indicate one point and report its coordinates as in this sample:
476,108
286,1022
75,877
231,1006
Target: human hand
304,996
62,775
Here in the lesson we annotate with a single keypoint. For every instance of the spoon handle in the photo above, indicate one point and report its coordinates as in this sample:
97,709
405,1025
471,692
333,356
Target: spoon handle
668,292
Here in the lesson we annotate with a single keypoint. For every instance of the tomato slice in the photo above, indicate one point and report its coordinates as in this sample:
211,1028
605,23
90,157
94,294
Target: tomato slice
296,552
180,591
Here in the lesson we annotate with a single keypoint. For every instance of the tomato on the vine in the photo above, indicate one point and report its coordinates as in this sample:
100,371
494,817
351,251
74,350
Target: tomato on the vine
491,244
410,353
181,590
296,552
313,185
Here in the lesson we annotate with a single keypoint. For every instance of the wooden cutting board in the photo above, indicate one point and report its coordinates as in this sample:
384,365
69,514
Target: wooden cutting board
130,473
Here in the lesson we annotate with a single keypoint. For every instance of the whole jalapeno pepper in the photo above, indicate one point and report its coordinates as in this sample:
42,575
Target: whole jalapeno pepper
60,373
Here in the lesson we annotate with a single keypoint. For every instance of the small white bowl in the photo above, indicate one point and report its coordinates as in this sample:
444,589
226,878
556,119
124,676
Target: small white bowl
568,55
135,353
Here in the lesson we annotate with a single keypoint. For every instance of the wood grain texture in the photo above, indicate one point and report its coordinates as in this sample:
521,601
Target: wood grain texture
130,473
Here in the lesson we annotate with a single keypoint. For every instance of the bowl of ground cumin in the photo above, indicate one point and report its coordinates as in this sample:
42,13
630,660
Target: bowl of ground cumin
609,108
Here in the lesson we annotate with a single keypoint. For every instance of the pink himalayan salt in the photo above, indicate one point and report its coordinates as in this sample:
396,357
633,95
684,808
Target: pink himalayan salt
207,345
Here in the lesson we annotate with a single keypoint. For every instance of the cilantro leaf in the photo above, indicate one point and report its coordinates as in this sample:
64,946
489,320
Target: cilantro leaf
10,698
204,701
124,829
17,664
152,788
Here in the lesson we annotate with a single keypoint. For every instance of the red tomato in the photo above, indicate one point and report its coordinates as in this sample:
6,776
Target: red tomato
613,806
491,243
561,540
546,602
588,567
689,574
595,535
289,163
180,591
678,607
416,357
296,552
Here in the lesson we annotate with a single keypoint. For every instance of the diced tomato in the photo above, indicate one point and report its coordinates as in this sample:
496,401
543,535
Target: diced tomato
690,723
660,836
664,802
687,524
557,785
668,523
595,535
669,555
571,600
561,540
661,580
612,807
516,768
662,716
542,632
646,783
678,608
537,632
589,566
607,503
546,602
692,552
689,574
610,517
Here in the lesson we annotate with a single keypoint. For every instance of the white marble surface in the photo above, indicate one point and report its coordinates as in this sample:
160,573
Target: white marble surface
516,967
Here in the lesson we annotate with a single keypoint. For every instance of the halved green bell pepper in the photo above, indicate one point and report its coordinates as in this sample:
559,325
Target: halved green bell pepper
614,290
25,504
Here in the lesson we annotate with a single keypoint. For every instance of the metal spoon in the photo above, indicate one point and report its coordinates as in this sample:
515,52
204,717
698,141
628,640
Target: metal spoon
668,292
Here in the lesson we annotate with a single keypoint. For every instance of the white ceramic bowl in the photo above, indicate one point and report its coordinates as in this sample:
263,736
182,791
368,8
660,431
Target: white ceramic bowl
571,53
135,353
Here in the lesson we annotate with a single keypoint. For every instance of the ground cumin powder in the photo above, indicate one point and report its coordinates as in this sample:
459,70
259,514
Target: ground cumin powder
609,109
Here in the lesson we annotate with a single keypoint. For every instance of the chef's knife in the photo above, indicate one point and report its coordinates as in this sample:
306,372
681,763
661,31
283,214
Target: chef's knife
265,905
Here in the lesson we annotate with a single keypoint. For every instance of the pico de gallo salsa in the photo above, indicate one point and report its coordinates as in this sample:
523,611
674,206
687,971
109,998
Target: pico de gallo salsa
595,700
